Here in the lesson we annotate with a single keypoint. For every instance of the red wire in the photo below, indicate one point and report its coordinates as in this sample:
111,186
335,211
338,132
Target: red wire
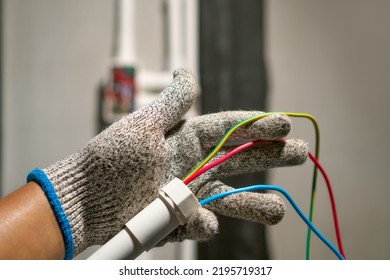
316,162
222,159
333,201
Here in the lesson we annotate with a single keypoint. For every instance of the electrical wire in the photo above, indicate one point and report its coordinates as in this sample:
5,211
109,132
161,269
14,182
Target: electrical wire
314,178
317,154
316,162
222,159
248,121
289,198
223,140
333,202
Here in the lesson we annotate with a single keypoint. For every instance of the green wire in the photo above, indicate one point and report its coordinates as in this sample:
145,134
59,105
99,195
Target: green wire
314,184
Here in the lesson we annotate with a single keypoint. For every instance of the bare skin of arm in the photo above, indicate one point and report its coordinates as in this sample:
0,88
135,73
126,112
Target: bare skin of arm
28,226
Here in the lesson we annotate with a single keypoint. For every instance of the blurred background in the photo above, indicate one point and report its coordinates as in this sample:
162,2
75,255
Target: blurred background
69,68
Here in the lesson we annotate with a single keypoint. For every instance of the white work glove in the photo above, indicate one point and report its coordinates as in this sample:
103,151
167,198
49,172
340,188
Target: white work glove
95,191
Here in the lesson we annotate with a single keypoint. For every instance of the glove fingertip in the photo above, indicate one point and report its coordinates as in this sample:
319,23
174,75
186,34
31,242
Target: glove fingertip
203,225
276,209
275,126
182,71
296,151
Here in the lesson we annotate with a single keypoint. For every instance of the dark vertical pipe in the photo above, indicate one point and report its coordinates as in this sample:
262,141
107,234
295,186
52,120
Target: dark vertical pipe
233,76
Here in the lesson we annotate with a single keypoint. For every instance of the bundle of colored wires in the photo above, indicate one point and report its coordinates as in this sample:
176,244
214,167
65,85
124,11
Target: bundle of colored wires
266,187
317,149
201,168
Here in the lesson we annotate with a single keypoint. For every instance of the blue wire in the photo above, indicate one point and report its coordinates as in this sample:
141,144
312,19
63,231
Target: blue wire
289,198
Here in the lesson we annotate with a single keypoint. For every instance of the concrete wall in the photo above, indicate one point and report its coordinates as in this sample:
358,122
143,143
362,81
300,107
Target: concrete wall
331,59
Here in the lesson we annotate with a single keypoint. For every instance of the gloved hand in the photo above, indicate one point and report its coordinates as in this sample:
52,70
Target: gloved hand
95,191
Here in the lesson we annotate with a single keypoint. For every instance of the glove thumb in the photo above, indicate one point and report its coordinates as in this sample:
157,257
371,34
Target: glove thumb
175,100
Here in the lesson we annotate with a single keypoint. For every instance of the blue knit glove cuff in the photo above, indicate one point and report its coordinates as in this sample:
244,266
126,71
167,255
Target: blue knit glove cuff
41,178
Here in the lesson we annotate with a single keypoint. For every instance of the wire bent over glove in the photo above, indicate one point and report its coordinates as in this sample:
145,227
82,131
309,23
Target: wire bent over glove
95,191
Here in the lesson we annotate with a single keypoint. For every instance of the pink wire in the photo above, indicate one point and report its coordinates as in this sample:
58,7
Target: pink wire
333,202
316,162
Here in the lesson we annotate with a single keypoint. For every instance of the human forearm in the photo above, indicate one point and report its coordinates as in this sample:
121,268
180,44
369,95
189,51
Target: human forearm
29,228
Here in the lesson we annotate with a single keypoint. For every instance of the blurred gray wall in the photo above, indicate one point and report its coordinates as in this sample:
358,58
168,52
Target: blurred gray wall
55,53
331,59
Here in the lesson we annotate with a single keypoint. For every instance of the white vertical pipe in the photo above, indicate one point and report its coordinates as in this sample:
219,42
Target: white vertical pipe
192,35
126,34
176,31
